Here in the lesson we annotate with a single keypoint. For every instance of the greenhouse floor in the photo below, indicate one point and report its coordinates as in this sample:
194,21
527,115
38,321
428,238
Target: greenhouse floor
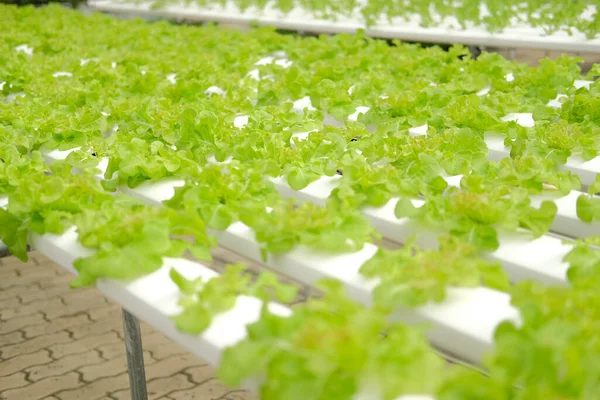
62,344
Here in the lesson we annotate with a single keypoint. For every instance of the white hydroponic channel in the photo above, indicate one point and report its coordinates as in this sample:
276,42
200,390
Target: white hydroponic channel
463,325
522,257
154,299
518,35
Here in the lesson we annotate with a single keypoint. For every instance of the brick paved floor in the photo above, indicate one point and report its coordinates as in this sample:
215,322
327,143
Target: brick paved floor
62,344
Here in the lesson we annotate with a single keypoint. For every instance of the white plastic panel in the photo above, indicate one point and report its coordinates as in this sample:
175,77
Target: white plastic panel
153,298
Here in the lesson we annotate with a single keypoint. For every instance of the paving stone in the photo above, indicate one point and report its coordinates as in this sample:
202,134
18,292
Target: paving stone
88,296
14,280
43,388
11,279
113,350
171,365
33,345
21,362
83,303
10,302
62,281
117,365
159,387
98,388
57,325
13,292
87,343
161,346
110,311
40,271
25,310
200,373
21,322
239,395
37,293
13,264
64,365
209,390
105,325
12,381
11,338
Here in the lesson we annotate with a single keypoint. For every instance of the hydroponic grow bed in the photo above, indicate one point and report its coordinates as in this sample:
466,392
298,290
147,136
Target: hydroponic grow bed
111,156
516,36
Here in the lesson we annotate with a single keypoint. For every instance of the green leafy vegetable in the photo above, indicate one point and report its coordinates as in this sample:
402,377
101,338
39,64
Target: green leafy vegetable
332,348
411,277
203,299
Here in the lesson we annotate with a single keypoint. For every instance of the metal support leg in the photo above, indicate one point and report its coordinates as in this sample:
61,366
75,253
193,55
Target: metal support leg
475,51
510,54
135,356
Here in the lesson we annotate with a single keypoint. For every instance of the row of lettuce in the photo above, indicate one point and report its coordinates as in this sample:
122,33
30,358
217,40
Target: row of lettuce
330,346
114,95
177,105
494,15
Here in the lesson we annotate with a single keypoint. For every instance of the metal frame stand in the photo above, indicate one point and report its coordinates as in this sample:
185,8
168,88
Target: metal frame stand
475,50
511,54
135,356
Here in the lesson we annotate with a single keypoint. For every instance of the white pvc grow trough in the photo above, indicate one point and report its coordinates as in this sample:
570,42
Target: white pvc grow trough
153,298
463,325
521,256
517,36
587,170
452,331
566,221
